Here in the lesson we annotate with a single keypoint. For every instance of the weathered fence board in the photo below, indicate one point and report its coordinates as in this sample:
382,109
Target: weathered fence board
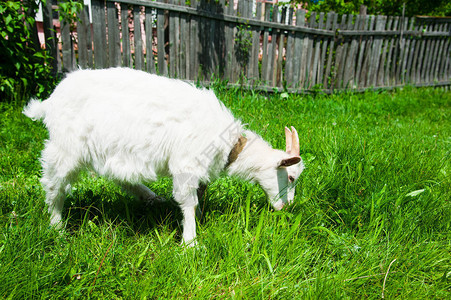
328,80
99,27
261,45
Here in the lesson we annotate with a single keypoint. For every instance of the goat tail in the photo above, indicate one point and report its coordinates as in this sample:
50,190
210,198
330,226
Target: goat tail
35,110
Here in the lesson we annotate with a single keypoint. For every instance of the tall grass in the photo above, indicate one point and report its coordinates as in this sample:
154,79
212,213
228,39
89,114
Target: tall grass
376,191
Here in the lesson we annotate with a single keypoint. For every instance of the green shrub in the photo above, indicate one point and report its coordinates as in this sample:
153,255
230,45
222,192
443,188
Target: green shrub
24,67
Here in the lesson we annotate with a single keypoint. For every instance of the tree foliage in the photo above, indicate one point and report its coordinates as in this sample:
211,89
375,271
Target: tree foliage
383,7
24,67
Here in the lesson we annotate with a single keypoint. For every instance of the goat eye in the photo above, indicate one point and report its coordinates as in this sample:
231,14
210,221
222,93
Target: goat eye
291,178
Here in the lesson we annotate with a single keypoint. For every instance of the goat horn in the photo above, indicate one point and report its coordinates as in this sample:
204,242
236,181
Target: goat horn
295,150
288,140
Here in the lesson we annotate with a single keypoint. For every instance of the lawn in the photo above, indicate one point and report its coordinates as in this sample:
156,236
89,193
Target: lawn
371,217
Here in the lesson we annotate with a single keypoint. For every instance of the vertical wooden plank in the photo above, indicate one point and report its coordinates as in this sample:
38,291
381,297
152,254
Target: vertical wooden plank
410,54
433,54
82,39
310,53
126,54
376,52
339,56
162,63
173,18
439,54
181,71
402,44
280,51
220,39
389,43
392,54
139,57
211,26
114,46
89,36
67,48
266,46
380,62
429,54
367,56
305,56
49,34
436,56
193,44
273,53
381,80
316,64
184,45
426,54
229,45
328,77
256,33
203,36
270,55
245,12
289,55
343,46
177,36
205,58
240,7
432,57
444,54
298,47
405,51
98,23
232,59
345,60
322,61
349,70
419,60
397,53
150,60
447,64
110,34
365,24
416,45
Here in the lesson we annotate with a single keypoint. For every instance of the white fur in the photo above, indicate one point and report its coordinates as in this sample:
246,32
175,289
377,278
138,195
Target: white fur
132,127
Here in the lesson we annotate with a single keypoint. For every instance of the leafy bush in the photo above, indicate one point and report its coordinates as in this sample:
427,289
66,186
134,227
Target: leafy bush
24,67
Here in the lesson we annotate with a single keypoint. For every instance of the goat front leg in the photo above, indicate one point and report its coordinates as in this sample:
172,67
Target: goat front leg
201,198
185,194
189,226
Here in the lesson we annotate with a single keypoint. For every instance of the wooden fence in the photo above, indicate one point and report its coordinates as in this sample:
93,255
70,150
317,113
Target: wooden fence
257,45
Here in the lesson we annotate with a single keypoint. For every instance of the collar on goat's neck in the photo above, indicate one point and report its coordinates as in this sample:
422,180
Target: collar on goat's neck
236,150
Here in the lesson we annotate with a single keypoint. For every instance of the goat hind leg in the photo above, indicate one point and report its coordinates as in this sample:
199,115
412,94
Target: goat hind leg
59,170
142,192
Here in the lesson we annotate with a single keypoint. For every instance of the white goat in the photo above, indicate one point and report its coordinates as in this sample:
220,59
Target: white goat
131,127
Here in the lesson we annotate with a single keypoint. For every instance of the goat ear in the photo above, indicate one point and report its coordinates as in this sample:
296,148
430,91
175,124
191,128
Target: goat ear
289,161
295,150
288,140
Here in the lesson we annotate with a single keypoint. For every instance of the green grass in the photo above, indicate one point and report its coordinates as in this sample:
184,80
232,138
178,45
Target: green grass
375,191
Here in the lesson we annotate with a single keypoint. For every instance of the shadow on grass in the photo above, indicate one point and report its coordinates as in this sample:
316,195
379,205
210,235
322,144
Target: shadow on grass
119,209
100,201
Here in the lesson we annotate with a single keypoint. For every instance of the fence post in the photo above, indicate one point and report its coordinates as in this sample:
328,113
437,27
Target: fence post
67,48
99,26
